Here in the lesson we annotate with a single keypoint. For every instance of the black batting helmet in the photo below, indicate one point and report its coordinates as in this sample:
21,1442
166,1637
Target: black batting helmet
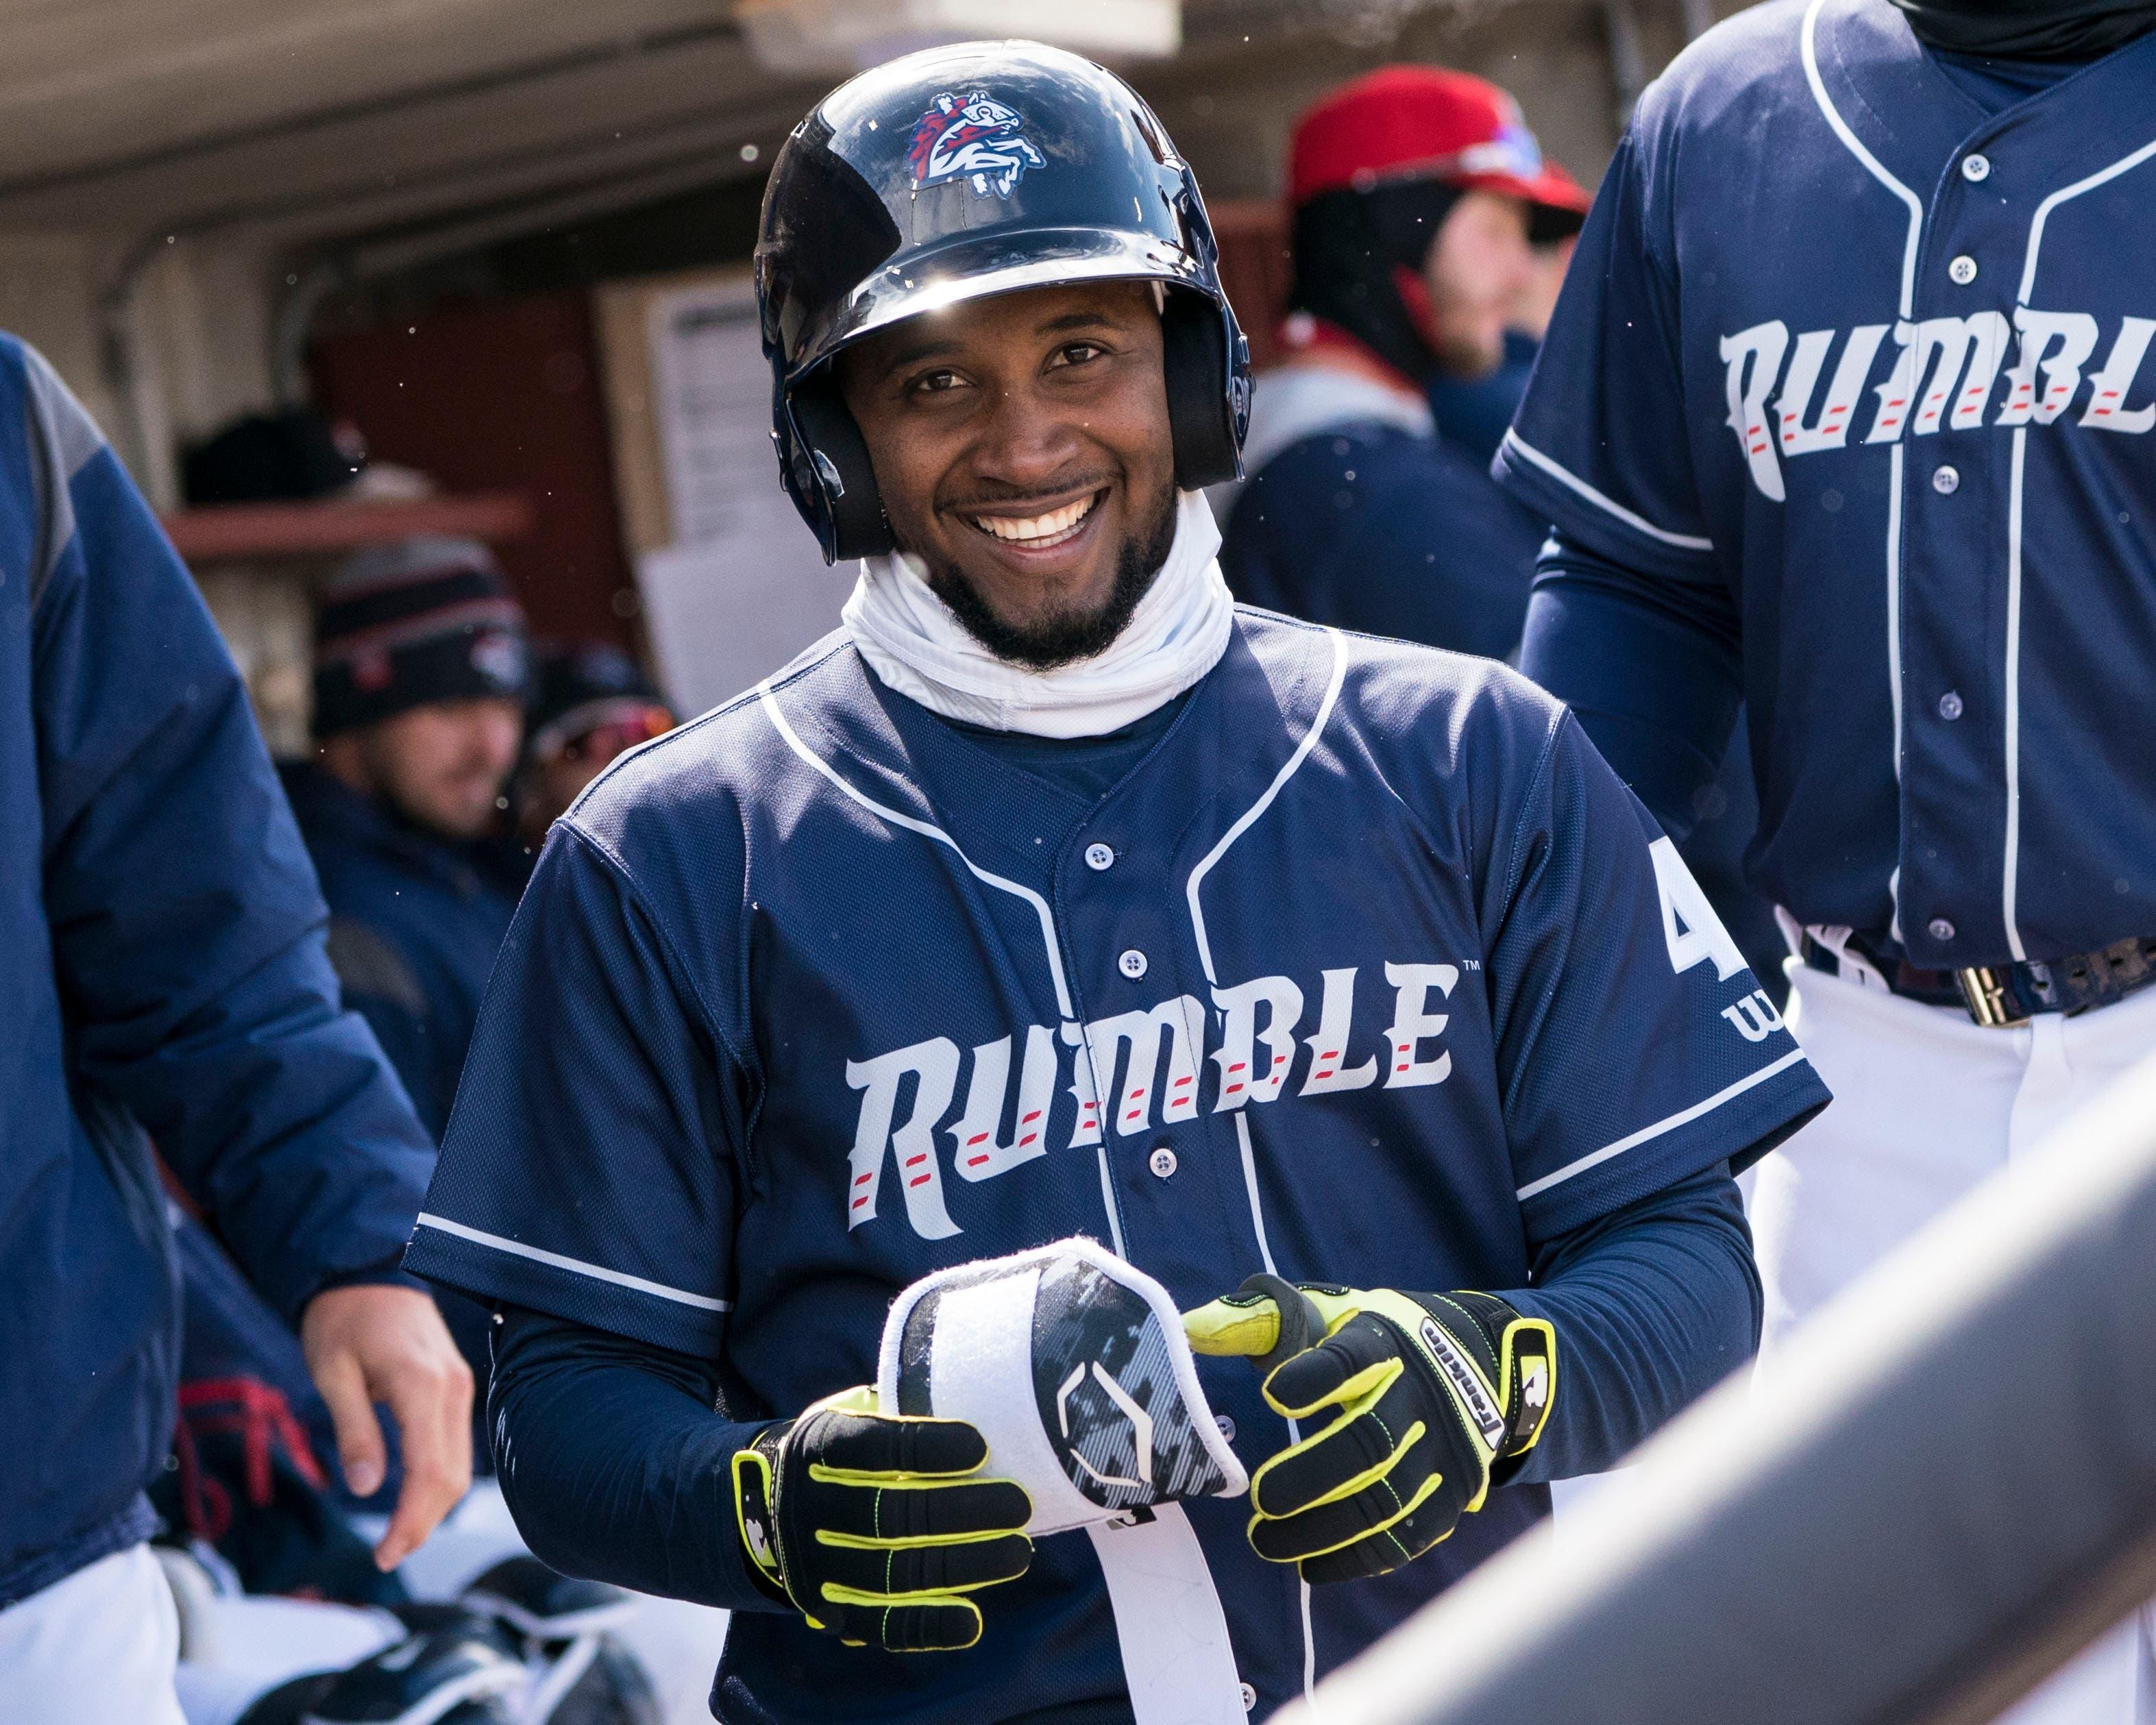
959,172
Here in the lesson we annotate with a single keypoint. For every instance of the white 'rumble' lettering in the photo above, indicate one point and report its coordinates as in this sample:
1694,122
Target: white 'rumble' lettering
1945,373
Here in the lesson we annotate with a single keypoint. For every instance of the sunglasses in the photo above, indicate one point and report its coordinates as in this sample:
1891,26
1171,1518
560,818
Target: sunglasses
603,743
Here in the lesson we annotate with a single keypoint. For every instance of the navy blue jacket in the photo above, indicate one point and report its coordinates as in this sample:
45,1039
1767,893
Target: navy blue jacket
164,979
1375,522
415,921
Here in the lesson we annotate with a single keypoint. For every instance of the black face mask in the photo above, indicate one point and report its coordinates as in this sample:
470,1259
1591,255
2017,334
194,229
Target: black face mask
2030,29
1348,244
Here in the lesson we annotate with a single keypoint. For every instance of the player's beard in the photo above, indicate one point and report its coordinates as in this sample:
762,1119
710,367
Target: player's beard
1064,637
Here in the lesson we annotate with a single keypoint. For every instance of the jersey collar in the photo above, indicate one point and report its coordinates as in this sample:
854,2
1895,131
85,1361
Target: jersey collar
1881,84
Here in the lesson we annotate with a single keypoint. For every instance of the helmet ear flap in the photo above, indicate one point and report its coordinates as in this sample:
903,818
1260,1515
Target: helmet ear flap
830,475
1207,362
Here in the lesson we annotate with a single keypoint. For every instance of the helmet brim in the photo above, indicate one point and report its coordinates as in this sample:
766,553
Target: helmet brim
981,268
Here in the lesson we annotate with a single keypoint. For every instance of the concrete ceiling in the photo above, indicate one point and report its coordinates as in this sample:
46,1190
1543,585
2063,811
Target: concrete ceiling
300,116
302,123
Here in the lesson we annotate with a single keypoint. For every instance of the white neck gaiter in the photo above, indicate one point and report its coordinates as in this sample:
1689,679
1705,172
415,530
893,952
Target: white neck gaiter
917,647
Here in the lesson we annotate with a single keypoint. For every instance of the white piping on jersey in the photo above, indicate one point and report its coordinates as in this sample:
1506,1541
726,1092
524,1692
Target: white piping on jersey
1807,40
780,724
1301,753
927,831
2065,194
2010,865
1681,1117
1564,476
1894,464
517,1249
1808,47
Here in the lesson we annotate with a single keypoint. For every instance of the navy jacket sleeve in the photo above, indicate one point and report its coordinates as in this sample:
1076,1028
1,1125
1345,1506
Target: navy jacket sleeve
186,924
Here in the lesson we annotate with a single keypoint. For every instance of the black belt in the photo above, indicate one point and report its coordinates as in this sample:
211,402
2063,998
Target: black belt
2000,996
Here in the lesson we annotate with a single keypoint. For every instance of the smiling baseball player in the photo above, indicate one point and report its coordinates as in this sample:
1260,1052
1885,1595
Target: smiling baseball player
1054,895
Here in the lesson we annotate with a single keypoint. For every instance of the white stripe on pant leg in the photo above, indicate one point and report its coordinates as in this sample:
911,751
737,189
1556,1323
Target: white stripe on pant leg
95,1648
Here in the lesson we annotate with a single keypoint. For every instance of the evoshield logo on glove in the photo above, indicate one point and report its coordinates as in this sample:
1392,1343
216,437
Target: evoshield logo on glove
1073,1365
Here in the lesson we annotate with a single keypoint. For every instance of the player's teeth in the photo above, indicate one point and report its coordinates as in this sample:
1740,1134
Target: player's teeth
1038,527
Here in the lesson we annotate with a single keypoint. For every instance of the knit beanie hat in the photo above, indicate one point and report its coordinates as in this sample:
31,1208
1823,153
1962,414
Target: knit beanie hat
421,620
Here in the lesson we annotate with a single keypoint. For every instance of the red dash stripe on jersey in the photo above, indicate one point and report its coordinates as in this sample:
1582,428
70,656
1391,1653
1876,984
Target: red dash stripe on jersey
1026,1139
977,1138
863,1179
918,1180
917,1160
975,1161
1030,1119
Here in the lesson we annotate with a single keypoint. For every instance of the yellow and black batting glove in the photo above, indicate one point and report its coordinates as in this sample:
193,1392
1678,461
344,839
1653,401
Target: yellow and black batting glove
877,1526
1427,1398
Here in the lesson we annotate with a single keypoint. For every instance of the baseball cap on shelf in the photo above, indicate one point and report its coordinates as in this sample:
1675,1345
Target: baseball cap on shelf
421,620
1403,123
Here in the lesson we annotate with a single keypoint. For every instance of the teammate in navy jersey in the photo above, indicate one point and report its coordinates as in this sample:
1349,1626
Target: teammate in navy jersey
1846,411
1054,894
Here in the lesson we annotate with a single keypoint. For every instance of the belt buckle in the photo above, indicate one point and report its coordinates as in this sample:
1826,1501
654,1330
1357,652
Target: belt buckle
1986,992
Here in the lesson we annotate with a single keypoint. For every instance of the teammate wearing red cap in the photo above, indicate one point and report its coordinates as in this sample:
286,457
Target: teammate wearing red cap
1419,196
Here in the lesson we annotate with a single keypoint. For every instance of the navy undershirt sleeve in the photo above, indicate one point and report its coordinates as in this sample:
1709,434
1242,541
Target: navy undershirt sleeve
614,1462
616,1466
1653,1305
1652,669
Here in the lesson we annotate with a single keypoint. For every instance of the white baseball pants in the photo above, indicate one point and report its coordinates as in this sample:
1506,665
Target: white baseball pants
96,1648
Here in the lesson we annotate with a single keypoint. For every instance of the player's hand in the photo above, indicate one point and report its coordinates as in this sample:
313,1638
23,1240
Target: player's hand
370,1344
878,1527
1423,1396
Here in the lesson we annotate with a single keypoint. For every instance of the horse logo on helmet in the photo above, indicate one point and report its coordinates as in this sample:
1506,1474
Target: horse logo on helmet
971,137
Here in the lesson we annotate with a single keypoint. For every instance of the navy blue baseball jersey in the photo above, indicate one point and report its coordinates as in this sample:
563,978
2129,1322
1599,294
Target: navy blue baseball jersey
1367,969
1859,360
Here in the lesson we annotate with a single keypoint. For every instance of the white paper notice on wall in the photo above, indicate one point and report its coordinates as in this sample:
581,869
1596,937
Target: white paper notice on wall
742,588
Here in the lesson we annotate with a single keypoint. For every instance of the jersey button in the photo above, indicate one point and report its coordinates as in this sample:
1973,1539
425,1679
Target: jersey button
1133,963
1975,168
1963,270
1947,480
1226,1426
1100,856
1950,706
1249,1697
1162,1161
1940,929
